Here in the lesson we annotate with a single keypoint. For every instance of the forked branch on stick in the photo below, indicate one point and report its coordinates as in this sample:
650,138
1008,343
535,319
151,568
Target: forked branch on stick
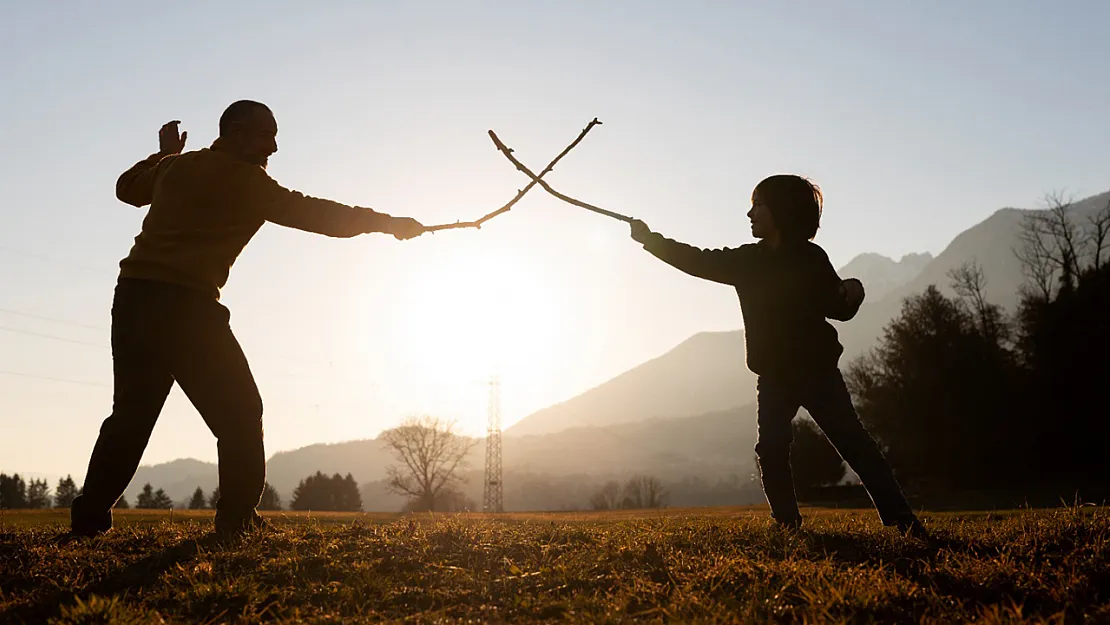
535,179
508,152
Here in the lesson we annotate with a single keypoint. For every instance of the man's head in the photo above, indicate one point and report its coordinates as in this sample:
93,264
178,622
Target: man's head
785,207
248,130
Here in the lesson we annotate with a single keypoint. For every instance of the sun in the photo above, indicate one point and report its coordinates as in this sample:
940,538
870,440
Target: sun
478,316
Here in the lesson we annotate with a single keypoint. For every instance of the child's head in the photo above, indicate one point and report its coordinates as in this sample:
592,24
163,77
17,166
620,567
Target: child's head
786,205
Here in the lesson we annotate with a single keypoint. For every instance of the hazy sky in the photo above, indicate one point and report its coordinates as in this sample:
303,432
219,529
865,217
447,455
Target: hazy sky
917,119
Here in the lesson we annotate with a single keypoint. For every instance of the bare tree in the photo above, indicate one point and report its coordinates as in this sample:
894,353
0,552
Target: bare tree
969,282
431,457
1054,247
644,491
1098,234
1035,263
608,497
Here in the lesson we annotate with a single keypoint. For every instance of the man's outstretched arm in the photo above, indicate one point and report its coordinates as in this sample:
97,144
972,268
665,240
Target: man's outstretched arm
136,185
293,209
721,265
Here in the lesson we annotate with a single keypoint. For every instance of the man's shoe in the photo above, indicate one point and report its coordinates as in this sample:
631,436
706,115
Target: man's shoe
913,528
228,526
791,525
84,523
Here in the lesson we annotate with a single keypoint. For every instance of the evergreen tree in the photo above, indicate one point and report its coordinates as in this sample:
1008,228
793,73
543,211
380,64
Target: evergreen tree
13,491
215,497
122,503
1063,342
349,499
937,392
197,502
161,500
320,492
145,500
38,494
270,499
313,493
65,493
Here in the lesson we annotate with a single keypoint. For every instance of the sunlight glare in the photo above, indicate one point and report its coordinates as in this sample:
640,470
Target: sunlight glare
465,321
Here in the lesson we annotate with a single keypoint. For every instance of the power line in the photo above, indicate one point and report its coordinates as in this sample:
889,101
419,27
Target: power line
54,261
255,354
53,337
53,319
52,379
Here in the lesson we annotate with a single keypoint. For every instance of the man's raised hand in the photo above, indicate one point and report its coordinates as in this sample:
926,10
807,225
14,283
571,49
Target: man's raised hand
169,141
405,228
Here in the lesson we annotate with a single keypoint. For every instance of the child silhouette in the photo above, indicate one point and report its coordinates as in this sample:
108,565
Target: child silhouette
788,289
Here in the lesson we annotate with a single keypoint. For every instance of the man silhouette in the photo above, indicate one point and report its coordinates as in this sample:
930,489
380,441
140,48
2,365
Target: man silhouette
167,322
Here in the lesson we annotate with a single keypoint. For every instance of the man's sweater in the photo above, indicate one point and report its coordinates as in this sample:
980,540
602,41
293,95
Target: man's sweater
786,295
205,206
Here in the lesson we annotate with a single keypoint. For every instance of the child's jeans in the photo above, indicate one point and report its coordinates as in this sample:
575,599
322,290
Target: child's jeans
826,398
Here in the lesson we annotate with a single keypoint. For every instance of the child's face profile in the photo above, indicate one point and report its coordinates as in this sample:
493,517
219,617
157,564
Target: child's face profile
763,223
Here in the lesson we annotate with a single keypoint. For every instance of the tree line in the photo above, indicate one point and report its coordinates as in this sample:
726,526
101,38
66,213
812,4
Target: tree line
16,492
967,396
315,492
640,491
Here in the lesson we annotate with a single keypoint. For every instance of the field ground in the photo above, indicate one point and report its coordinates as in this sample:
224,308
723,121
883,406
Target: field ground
714,565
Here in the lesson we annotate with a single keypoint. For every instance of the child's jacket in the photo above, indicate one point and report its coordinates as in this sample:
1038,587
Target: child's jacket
786,295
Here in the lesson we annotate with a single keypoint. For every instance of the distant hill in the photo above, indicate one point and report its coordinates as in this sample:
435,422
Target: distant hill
703,374
881,275
179,478
709,445
991,243
284,470
364,459
706,373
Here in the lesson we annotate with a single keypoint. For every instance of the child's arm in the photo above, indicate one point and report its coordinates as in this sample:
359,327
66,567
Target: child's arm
851,292
841,298
720,265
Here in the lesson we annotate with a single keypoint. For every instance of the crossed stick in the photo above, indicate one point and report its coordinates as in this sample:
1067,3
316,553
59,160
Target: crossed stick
508,152
535,180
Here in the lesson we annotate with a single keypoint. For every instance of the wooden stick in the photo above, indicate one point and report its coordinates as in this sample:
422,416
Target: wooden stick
550,166
508,152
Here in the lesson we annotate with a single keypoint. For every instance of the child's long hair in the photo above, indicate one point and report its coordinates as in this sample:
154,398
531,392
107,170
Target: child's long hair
795,204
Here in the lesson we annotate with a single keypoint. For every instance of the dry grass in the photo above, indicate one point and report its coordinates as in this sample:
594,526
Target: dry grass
719,565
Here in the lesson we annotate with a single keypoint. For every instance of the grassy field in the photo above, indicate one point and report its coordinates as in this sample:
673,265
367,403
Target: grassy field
696,566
